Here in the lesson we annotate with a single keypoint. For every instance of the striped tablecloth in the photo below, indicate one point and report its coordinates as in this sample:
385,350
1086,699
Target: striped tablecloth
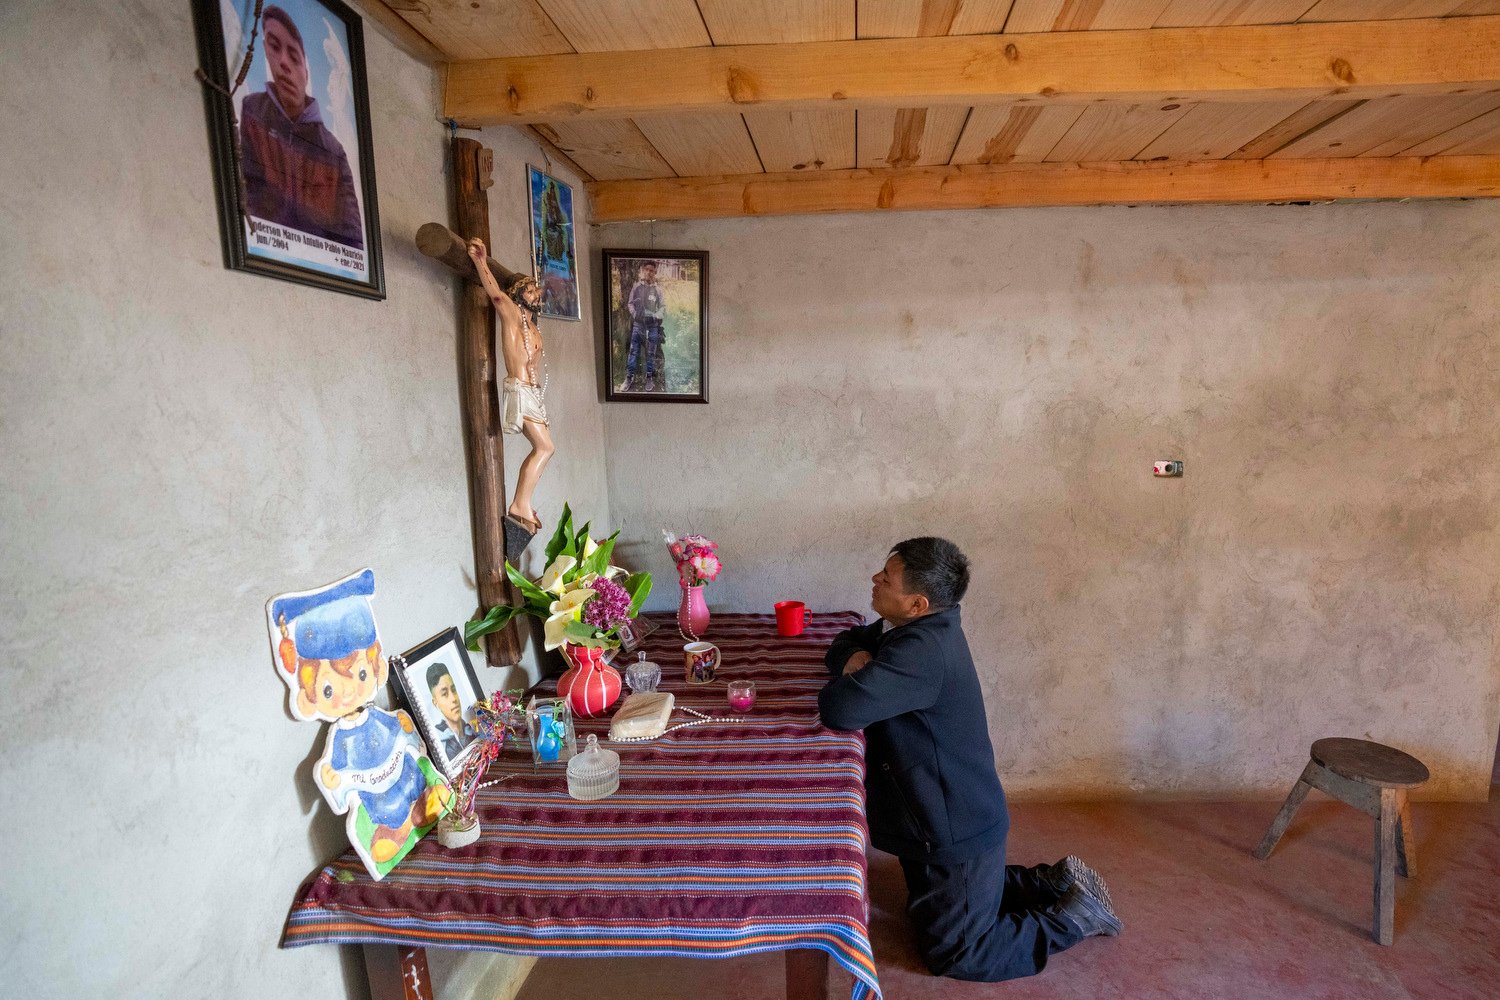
724,839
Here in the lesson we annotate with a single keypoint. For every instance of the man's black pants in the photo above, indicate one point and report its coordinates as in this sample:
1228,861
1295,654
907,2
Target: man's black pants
983,920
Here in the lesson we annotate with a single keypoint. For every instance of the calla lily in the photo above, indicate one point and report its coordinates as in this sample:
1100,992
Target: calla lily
589,547
554,630
571,602
587,580
552,579
613,572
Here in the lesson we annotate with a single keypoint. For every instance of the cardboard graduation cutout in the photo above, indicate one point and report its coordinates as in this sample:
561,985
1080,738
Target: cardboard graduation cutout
374,767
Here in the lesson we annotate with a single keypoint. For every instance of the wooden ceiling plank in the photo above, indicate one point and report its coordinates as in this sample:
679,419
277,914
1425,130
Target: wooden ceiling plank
1481,135
1190,13
402,34
1018,184
1313,116
1115,131
1379,10
908,137
1084,15
930,18
1213,131
608,150
484,29
701,145
628,25
1377,121
1013,133
1258,63
761,22
803,140
1434,117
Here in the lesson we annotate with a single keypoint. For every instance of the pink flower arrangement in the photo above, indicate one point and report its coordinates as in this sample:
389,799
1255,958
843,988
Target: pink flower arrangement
697,559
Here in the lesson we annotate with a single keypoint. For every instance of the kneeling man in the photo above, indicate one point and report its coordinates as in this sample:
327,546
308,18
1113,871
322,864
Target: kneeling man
932,795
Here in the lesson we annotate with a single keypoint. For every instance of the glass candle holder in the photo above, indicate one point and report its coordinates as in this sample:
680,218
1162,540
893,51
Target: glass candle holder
742,695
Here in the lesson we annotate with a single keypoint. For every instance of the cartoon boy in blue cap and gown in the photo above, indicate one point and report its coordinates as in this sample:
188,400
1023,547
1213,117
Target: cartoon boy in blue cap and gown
374,767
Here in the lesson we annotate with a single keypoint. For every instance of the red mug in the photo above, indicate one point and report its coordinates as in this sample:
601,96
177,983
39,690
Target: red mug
791,617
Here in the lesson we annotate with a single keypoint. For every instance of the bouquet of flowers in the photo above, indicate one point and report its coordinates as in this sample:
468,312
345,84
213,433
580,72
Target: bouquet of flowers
580,596
697,559
497,720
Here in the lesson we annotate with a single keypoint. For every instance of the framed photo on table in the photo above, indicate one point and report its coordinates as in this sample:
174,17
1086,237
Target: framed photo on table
553,249
293,159
655,326
437,685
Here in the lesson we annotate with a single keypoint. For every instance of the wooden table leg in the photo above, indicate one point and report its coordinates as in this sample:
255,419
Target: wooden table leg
807,974
1284,817
398,972
1385,867
1406,849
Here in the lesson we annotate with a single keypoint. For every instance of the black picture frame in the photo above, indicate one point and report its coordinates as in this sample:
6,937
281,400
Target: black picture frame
671,365
294,248
409,684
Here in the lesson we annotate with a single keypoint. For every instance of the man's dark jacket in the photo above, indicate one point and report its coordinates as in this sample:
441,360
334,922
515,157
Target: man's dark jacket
930,784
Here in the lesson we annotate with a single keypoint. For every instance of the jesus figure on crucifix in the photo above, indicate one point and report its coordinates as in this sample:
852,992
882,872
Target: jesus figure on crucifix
523,405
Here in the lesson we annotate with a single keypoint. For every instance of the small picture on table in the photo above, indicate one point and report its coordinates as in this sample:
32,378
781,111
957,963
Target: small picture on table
438,685
633,632
656,326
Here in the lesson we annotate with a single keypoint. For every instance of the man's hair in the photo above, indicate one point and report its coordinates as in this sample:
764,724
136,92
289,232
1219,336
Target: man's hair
438,671
934,568
281,17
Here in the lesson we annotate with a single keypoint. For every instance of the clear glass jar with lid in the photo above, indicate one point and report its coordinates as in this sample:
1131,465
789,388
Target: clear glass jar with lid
643,676
594,773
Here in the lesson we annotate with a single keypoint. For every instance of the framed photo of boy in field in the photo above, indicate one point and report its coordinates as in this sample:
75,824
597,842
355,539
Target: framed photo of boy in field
656,326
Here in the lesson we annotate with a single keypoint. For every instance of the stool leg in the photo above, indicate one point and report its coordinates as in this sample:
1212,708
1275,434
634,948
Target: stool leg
1284,818
1385,867
1406,850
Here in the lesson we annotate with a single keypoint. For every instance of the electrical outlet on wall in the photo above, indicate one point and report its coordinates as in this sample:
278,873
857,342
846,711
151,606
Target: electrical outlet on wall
1169,468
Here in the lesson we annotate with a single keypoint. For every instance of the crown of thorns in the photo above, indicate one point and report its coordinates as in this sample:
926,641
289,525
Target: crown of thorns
518,286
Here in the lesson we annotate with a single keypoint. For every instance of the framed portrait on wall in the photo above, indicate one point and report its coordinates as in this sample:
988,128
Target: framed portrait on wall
655,325
554,254
293,162
436,683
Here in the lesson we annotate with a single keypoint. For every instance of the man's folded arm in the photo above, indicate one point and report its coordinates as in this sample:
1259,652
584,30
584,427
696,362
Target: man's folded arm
902,677
847,642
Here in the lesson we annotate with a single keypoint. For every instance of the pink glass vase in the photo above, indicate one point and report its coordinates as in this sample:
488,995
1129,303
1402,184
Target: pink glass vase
692,613
591,685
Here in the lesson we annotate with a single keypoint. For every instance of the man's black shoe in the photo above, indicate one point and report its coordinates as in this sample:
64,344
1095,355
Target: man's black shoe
1086,913
1072,871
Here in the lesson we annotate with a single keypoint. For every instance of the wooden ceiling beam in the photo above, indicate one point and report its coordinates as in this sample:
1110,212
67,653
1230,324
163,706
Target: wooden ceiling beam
1358,59
1032,184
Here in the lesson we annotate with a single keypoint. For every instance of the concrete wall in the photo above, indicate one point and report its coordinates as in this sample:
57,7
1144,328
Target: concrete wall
1329,565
180,442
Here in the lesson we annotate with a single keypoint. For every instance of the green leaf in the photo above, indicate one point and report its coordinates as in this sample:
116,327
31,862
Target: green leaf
561,536
496,619
638,586
584,634
529,590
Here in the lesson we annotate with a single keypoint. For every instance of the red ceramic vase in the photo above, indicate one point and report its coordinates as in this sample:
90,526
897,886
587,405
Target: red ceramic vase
590,685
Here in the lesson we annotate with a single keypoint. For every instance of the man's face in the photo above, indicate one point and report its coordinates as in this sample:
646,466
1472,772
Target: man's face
889,597
648,275
288,66
446,700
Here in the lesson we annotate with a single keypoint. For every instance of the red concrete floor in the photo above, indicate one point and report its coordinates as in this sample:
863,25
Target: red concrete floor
1202,918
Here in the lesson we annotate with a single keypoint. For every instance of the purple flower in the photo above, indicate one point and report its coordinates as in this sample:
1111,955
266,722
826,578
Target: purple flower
609,606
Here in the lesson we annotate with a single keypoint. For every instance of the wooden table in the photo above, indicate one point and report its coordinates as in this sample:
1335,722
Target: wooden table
725,839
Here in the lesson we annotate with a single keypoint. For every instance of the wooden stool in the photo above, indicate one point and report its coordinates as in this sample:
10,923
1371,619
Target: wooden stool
1373,779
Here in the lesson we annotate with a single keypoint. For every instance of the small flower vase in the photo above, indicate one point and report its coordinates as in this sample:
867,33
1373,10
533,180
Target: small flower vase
692,613
455,833
591,685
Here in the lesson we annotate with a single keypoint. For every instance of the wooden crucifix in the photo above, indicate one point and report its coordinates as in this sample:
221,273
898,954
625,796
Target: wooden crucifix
482,420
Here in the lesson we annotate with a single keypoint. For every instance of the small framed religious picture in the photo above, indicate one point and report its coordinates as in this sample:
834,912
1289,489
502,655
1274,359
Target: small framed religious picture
437,685
553,250
655,326
633,633
289,128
